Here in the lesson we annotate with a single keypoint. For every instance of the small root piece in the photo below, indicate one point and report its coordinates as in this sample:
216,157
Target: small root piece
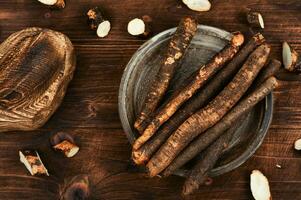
33,162
198,5
255,19
68,148
272,69
64,143
60,4
278,166
291,58
54,3
298,144
260,186
98,22
212,113
139,27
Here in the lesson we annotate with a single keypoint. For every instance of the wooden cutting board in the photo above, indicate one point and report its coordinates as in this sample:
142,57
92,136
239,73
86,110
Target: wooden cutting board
89,110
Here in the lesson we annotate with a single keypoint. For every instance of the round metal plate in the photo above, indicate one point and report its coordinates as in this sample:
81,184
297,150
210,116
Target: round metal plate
143,67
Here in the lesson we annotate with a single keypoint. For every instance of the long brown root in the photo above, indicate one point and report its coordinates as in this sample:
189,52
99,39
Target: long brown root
175,51
201,170
211,114
204,140
200,99
181,96
211,155
268,71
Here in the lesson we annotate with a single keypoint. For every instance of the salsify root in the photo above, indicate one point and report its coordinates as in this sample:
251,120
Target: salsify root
200,99
175,51
204,140
211,155
211,114
270,70
183,94
200,171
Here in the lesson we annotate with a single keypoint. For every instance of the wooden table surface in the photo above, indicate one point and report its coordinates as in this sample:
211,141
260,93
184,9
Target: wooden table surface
90,112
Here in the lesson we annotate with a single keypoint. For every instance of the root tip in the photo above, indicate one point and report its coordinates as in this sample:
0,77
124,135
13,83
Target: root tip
139,157
238,39
189,187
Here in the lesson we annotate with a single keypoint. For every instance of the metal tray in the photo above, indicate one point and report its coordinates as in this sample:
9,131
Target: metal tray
143,67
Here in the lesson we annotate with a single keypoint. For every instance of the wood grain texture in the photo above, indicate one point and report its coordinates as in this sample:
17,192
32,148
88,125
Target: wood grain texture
36,66
89,110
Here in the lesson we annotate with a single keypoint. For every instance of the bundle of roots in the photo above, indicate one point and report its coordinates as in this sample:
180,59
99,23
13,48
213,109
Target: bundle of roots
202,115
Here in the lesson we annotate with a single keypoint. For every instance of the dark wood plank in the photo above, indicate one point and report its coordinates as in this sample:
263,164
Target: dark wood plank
90,112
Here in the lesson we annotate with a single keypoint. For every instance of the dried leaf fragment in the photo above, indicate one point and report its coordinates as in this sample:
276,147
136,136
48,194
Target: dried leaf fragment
198,5
260,186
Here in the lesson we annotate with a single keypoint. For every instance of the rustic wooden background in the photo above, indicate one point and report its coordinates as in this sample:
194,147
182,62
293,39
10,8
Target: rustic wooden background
90,112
